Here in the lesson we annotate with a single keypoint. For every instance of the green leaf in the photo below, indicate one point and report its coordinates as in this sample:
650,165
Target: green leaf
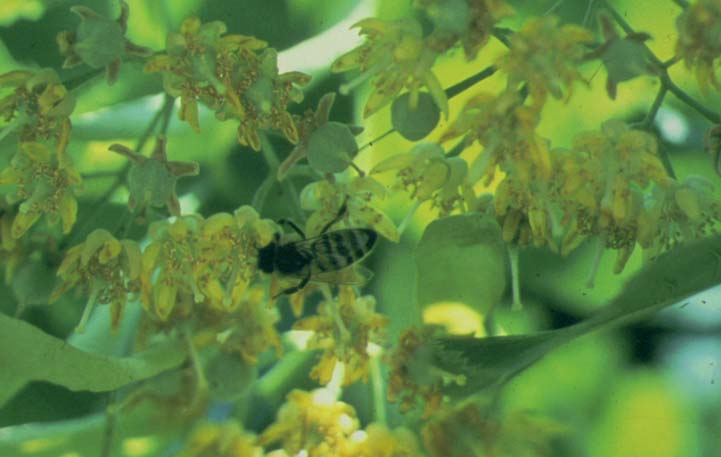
461,259
672,278
414,123
28,354
331,147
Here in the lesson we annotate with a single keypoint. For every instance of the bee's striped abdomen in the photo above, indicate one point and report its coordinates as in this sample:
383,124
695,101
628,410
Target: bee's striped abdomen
338,249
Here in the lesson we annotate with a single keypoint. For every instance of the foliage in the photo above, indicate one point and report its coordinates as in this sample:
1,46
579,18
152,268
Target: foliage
162,308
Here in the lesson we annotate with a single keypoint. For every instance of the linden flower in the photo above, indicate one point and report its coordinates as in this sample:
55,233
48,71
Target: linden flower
468,21
209,262
45,183
99,42
699,26
427,174
343,329
107,270
469,427
227,75
601,184
225,259
310,424
167,280
397,56
221,440
546,56
506,130
326,199
250,329
39,106
379,441
412,377
681,212
523,212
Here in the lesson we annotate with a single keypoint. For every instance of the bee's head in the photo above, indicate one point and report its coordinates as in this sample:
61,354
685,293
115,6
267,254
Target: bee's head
266,255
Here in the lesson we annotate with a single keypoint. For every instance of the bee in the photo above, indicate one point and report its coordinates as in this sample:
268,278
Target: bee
317,257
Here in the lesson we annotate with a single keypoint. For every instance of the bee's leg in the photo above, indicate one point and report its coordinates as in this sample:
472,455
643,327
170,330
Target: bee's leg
300,286
341,212
292,225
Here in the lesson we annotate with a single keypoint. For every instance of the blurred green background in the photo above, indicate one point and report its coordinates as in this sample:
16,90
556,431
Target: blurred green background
648,390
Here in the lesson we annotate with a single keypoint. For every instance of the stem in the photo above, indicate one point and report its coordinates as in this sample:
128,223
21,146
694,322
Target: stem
109,429
377,384
271,158
515,278
470,81
408,217
89,307
687,99
377,139
657,102
600,249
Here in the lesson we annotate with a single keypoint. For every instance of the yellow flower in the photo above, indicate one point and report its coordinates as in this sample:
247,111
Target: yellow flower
472,427
412,378
250,328
310,423
397,56
45,183
226,439
506,130
107,270
698,28
427,174
378,441
228,75
546,57
39,106
343,328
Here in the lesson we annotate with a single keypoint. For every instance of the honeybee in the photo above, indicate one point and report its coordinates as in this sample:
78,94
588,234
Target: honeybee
318,257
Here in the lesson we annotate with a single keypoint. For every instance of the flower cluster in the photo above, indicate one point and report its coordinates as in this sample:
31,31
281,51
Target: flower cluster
426,174
45,182
312,424
221,440
396,55
545,56
472,428
343,329
106,269
400,54
505,127
602,186
412,377
39,106
232,75
201,261
698,26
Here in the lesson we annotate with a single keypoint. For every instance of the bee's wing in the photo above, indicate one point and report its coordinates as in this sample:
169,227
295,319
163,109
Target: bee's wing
352,275
340,248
